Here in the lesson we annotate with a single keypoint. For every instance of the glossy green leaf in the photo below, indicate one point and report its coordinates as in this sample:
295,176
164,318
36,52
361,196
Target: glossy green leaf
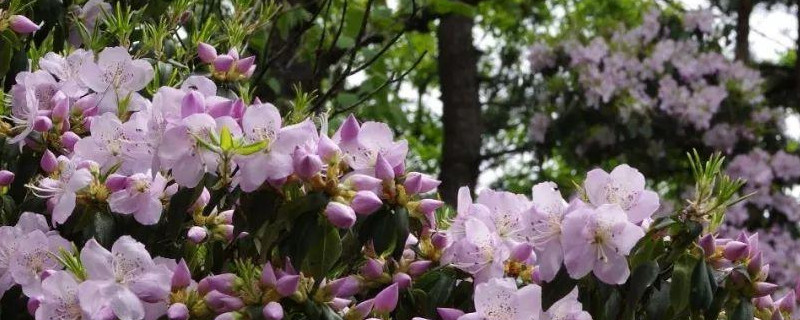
701,294
554,290
681,283
324,255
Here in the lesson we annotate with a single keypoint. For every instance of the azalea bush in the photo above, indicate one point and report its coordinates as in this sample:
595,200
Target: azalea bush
646,93
128,193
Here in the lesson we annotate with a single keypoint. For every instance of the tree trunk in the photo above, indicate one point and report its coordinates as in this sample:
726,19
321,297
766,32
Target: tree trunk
797,55
742,49
458,76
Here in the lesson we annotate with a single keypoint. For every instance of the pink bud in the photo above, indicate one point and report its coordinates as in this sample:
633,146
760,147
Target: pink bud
416,183
735,250
6,178
521,252
786,304
193,102
449,314
764,302
754,266
338,304
383,170
178,311
764,288
197,234
61,106
220,302
326,148
340,215
116,182
226,216
403,280
182,277
42,124
428,206
417,268
223,63
349,129
243,65
237,109
268,275
386,300
707,243
363,182
87,105
230,315
33,304
234,53
287,285
272,311
49,163
22,25
776,315
206,52
306,165
222,282
439,240
363,309
68,140
372,269
366,202
345,287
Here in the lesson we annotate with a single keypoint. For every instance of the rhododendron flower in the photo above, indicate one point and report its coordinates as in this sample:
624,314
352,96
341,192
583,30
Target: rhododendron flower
568,308
546,215
87,15
32,96
113,143
116,78
35,253
59,298
262,123
598,240
61,190
499,299
623,186
126,275
140,197
507,212
361,144
9,239
67,70
481,252
183,151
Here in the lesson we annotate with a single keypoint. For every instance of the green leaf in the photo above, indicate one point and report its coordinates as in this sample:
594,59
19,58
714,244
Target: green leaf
453,6
401,228
251,148
681,283
439,285
323,256
178,205
554,290
701,293
720,297
743,310
225,139
641,279
658,305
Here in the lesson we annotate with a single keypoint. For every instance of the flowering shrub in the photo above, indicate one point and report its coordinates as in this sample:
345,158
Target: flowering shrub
194,203
633,87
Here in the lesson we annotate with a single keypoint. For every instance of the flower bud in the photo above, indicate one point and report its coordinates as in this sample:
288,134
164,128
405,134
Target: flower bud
234,53
787,303
268,275
306,165
68,140
32,305
228,316
372,269
735,250
439,240
361,182
244,64
197,234
521,252
417,268
182,277
366,202
22,25
428,206
226,216
417,183
326,148
764,302
707,244
403,280
776,315
449,314
220,302
42,124
764,288
344,287
206,52
362,309
338,304
383,170
223,63
49,162
340,215
386,300
272,311
287,285
754,265
6,178
178,311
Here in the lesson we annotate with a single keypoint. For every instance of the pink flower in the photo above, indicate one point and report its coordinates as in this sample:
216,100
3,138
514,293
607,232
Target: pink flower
22,25
481,252
116,78
546,216
499,299
62,191
598,240
140,197
568,308
623,186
